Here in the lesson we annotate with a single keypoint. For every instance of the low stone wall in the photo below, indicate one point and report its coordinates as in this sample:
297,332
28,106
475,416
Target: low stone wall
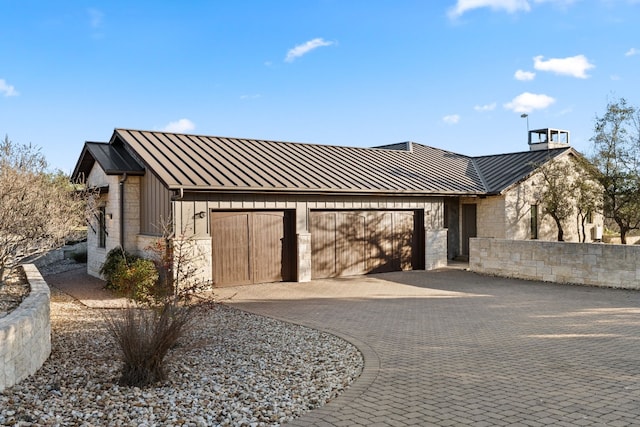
57,255
25,334
594,264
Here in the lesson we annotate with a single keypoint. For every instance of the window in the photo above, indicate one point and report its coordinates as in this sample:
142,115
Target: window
102,227
534,222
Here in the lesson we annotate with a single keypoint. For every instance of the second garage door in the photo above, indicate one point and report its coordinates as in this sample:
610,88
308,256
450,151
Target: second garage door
347,243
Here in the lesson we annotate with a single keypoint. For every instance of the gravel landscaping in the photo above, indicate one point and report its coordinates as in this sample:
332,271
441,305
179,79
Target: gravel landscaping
231,368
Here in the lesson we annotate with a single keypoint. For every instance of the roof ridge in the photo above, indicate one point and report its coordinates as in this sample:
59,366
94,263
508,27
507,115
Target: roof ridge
274,141
518,152
483,181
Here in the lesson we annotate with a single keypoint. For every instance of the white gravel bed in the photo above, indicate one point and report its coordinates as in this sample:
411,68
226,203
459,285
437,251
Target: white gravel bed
231,369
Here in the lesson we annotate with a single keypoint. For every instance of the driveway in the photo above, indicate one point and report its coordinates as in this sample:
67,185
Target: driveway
450,347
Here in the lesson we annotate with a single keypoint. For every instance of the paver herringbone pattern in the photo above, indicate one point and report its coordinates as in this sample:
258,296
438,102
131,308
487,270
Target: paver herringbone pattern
451,348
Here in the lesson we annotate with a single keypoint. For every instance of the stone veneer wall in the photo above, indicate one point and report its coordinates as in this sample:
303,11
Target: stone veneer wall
435,249
25,333
593,264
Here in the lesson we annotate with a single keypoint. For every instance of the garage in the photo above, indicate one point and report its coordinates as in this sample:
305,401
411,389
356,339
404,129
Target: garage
251,247
345,243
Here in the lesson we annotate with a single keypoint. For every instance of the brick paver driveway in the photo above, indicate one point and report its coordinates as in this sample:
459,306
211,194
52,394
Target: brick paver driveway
454,348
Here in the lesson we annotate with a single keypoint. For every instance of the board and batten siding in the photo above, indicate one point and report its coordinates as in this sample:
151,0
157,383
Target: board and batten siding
192,217
192,212
155,205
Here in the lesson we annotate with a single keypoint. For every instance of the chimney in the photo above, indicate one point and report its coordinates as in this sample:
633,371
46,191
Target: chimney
547,139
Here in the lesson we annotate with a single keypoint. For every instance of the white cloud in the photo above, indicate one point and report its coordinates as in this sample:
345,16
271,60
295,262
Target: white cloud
451,119
304,48
575,66
631,52
615,77
7,90
510,6
527,102
180,126
96,21
95,18
524,75
486,107
254,96
558,3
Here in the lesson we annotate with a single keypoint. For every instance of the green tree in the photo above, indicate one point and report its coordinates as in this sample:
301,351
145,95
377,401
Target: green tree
588,198
556,191
616,160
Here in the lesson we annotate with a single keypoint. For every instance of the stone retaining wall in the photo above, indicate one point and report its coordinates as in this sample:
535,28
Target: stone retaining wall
594,264
57,255
25,334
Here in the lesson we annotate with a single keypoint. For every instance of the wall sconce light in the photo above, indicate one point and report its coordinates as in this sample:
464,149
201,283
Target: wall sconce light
110,215
201,214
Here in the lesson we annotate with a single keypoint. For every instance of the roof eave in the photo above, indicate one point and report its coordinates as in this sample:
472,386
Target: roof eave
83,166
323,191
122,172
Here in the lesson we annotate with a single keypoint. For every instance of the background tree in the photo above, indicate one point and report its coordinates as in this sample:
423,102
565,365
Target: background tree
557,189
588,198
616,160
39,209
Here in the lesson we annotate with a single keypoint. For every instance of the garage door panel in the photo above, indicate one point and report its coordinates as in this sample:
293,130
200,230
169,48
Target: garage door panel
359,242
380,232
323,245
404,240
230,248
267,246
351,245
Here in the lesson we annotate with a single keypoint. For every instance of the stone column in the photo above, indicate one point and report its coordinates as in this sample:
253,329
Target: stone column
304,257
436,249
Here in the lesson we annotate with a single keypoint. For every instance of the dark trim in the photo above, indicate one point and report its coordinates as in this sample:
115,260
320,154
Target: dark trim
122,181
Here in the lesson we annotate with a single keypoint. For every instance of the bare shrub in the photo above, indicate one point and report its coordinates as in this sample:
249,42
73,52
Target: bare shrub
39,209
144,337
161,292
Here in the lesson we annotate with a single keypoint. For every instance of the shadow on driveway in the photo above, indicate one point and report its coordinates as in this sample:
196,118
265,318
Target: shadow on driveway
451,347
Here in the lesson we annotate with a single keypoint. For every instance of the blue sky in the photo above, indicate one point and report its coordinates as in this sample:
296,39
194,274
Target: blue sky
456,75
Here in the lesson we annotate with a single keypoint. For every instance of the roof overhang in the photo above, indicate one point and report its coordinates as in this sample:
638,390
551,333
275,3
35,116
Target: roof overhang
112,158
323,192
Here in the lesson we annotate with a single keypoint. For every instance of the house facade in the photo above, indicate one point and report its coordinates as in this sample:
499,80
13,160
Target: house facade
264,211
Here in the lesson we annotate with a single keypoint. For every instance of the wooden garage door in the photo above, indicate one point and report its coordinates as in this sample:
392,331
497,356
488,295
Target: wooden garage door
357,242
250,247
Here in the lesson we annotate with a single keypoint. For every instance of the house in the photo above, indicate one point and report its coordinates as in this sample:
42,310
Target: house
264,211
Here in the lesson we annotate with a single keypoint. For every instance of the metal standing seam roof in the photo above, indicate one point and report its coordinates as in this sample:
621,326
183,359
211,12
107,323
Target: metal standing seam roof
501,171
195,162
113,159
210,163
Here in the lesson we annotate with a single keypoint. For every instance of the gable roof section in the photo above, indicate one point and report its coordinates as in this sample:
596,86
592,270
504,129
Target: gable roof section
194,162
499,172
112,158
